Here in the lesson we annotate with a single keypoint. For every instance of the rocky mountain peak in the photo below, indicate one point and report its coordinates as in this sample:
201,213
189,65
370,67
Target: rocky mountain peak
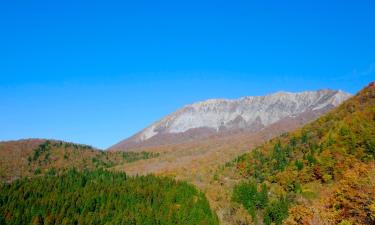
248,113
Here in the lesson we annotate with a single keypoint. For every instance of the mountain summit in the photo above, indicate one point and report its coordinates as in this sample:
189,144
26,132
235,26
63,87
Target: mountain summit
247,114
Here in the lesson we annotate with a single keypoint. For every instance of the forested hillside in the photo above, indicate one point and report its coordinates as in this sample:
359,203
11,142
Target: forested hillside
102,197
34,157
323,173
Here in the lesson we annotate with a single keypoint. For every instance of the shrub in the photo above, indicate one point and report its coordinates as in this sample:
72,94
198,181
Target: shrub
276,212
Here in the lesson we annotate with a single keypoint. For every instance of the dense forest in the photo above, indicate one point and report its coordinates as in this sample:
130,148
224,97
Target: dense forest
102,197
323,173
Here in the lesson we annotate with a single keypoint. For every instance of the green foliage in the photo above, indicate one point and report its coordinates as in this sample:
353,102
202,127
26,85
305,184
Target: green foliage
135,156
42,148
247,194
262,197
298,164
293,142
51,172
2,219
101,197
37,171
276,212
279,156
304,137
311,159
370,147
73,145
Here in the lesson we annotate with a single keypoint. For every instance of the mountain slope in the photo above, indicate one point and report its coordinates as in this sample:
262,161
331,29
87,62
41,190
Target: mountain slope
323,173
33,157
221,116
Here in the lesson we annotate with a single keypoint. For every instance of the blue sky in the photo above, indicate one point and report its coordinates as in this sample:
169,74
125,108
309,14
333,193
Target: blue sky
95,72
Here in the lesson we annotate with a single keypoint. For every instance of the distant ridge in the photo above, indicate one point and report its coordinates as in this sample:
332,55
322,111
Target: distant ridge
221,116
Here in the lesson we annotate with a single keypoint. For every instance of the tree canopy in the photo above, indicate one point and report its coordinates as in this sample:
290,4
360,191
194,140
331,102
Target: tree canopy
102,197
322,172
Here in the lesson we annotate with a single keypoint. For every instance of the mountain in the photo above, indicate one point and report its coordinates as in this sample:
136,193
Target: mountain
222,116
34,157
322,173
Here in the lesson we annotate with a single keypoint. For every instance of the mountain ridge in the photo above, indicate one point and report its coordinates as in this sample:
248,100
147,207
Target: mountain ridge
213,116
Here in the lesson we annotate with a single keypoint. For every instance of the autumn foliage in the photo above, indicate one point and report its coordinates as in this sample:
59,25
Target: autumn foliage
325,170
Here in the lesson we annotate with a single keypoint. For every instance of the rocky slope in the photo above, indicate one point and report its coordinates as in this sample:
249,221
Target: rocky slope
217,116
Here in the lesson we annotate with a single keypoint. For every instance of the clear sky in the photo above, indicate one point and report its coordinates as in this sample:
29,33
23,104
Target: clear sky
96,72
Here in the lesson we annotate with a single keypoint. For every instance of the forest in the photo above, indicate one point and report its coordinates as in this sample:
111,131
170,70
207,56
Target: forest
102,197
30,158
322,173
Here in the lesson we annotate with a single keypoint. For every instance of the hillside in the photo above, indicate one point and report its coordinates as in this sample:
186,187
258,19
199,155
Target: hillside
197,161
102,197
33,157
323,173
219,117
193,160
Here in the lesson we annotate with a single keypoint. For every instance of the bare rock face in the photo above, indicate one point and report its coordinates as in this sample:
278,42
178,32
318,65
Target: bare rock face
247,114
